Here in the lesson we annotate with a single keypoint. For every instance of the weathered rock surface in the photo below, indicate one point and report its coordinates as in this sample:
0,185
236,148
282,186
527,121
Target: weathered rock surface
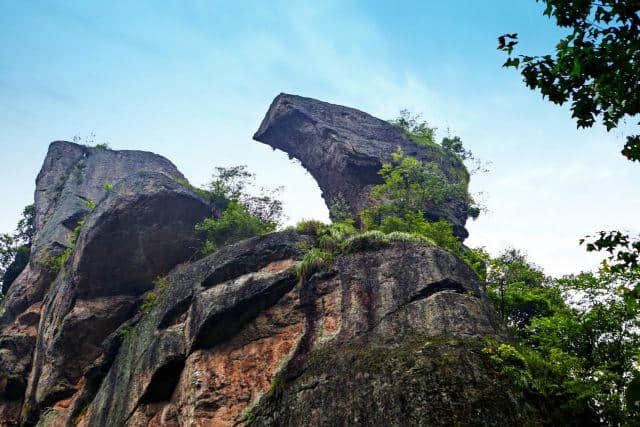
141,230
344,148
72,175
224,328
133,330
142,225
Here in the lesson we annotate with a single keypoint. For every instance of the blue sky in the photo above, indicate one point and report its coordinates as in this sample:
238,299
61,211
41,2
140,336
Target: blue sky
192,81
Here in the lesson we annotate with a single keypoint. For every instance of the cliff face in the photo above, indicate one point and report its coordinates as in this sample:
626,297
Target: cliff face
79,287
388,335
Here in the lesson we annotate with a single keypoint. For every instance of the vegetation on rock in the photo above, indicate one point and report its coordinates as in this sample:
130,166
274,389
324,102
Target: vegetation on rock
161,284
55,262
237,214
15,248
397,208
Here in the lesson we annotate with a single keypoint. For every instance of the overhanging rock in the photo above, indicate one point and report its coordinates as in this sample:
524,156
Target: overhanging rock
344,148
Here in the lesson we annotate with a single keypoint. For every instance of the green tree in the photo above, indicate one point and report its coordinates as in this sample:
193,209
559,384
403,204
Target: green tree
415,128
15,248
578,339
238,213
398,204
422,133
596,66
520,290
409,186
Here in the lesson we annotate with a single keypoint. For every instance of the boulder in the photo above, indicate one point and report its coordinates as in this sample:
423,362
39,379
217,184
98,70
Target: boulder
72,178
344,148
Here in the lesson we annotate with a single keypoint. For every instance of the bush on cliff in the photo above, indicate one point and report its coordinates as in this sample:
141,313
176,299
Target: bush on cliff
408,187
237,213
15,248
419,131
234,224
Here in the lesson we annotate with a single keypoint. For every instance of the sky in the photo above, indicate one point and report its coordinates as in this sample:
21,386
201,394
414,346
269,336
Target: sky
191,80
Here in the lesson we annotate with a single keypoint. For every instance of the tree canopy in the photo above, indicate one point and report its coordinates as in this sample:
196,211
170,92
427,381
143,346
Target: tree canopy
238,213
596,66
578,339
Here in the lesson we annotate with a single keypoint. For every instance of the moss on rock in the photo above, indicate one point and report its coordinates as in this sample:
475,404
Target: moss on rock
417,380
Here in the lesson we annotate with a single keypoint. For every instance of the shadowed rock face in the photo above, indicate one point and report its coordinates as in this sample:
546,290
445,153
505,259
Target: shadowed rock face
344,148
141,230
71,176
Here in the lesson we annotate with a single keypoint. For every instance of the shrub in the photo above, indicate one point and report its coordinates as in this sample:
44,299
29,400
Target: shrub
108,186
473,212
235,224
55,263
149,301
237,214
161,284
366,241
409,187
400,236
312,261
413,127
510,363
310,227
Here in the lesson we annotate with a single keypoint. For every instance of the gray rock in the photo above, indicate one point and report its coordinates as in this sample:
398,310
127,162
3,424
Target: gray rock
71,176
143,228
344,148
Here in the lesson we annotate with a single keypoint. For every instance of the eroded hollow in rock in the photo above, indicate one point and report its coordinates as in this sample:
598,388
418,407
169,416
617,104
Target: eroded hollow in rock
163,382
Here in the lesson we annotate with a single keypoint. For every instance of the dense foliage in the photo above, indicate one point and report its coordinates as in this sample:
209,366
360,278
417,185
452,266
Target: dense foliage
237,214
579,335
409,186
15,248
578,341
596,65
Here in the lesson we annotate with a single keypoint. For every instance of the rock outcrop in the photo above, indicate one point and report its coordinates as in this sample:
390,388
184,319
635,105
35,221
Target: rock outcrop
344,148
115,322
132,222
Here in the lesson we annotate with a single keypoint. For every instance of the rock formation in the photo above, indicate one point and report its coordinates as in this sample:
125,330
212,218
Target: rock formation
129,328
344,148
